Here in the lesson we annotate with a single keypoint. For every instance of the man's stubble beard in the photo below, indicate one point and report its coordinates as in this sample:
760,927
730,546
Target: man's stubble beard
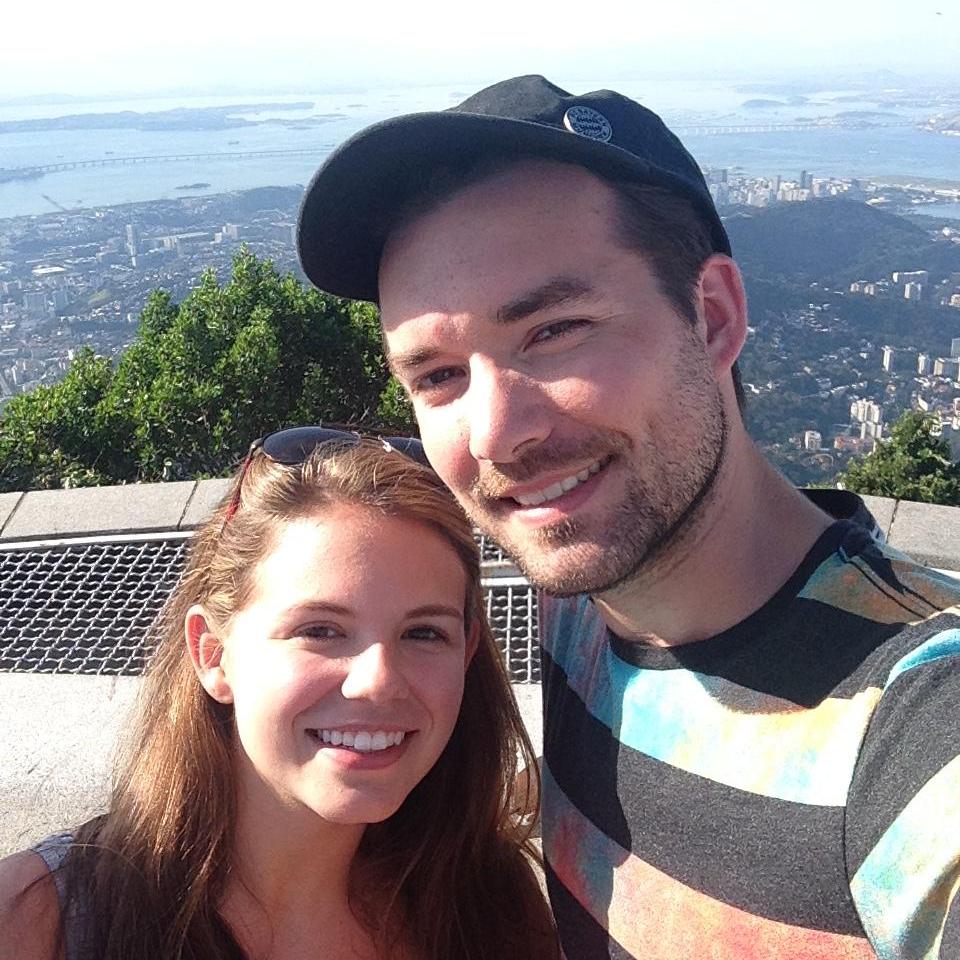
663,501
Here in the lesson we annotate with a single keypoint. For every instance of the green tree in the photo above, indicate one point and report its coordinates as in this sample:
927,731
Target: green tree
913,465
202,378
48,434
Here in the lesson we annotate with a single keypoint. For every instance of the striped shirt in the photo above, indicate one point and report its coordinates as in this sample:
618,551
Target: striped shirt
789,788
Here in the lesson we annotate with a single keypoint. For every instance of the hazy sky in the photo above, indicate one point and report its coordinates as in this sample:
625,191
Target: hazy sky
127,47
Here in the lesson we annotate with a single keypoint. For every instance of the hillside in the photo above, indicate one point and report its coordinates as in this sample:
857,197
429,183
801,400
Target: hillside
834,240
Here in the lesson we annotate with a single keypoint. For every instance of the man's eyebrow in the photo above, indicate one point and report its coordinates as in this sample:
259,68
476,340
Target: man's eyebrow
410,359
554,293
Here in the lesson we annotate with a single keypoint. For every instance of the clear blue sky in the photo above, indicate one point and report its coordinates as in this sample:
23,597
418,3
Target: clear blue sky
128,48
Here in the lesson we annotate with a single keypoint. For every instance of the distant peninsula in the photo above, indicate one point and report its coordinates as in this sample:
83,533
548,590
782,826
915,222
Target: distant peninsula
181,118
765,104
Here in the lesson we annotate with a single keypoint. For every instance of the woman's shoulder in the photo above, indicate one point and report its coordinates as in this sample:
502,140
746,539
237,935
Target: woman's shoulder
29,908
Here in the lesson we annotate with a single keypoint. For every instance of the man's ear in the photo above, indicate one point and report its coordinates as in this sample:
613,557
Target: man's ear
723,308
206,652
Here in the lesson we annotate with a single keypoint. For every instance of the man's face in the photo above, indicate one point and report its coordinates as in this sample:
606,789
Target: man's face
571,409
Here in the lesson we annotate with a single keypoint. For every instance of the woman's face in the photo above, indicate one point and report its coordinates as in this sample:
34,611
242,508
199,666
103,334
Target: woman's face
346,668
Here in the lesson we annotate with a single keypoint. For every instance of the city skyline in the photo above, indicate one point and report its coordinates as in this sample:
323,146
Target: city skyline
108,50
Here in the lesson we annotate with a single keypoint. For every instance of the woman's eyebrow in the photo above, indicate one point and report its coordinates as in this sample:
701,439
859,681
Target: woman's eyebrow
318,606
435,610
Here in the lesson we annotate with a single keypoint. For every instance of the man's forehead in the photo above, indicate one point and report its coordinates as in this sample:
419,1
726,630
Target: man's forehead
496,244
542,188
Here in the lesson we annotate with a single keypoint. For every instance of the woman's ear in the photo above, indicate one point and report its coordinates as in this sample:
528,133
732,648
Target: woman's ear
206,653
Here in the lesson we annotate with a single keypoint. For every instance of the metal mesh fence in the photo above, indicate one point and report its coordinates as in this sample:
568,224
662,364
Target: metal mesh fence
512,611
86,607
491,553
83,608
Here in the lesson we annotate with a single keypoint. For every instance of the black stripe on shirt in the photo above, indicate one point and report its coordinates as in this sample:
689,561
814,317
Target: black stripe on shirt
769,857
802,658
914,733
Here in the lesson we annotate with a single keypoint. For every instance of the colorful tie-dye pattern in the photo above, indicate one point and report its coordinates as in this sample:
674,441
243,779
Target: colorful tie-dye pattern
652,759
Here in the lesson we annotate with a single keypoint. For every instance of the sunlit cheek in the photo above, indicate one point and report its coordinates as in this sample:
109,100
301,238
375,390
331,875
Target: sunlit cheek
442,689
447,448
281,682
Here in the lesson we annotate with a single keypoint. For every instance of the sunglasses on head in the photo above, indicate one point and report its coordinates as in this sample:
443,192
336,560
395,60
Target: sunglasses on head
295,445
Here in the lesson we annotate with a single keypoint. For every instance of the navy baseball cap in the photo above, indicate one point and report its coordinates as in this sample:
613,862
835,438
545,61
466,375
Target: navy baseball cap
352,201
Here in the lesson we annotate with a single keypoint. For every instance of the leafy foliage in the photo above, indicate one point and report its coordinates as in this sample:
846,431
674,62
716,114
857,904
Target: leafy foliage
200,381
912,465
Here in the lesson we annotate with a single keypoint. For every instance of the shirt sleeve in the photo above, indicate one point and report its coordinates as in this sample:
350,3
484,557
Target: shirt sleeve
902,838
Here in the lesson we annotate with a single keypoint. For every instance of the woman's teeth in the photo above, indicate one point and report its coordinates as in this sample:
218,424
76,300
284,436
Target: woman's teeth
362,741
558,489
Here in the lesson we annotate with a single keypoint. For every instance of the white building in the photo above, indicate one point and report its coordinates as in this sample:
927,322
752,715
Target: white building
866,411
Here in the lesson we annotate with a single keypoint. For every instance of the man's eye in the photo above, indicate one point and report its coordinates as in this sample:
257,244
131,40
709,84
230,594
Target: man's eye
436,378
553,331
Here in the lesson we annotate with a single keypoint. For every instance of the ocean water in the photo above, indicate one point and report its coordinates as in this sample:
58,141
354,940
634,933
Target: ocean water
896,149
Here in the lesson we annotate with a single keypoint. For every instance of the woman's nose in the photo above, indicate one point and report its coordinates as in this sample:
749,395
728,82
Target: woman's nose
374,674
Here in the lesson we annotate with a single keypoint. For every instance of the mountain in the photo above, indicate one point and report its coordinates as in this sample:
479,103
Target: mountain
834,240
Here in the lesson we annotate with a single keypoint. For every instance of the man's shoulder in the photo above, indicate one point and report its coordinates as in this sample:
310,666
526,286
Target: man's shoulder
880,605
866,576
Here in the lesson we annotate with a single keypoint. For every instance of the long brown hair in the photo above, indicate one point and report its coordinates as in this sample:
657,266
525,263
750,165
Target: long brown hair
451,872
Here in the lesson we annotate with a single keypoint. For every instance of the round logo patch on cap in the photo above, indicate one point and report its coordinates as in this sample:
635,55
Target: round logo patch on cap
588,123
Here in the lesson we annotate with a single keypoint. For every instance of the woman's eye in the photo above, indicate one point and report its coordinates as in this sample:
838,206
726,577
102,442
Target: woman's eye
553,331
428,633
319,631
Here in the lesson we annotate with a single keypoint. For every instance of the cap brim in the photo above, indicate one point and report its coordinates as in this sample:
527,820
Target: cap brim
350,204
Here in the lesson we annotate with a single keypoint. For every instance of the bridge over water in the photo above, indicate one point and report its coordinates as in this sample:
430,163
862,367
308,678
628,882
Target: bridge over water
320,151
28,173
718,131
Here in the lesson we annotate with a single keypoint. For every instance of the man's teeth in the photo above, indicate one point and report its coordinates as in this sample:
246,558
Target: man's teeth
559,488
362,741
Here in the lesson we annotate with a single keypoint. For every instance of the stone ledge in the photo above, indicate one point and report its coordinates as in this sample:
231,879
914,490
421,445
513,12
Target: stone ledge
883,509
206,495
58,738
8,503
927,532
133,508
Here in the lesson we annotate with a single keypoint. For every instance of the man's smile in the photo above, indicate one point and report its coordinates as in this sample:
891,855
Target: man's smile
535,497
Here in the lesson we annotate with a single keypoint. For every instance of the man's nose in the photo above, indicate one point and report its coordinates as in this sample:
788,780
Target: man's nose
507,413
374,674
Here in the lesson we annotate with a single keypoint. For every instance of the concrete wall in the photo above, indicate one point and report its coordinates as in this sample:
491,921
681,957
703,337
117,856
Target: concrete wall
101,511
58,735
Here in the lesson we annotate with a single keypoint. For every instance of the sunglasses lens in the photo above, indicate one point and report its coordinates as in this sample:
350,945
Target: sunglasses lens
297,443
410,446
